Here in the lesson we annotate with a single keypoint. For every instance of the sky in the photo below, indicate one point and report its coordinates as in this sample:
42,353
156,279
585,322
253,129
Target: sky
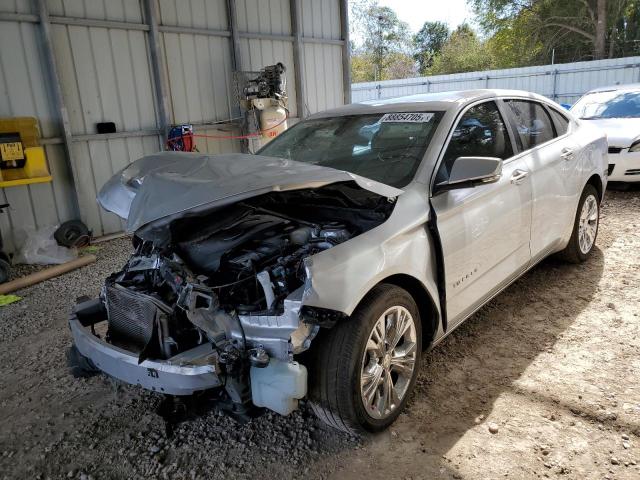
416,12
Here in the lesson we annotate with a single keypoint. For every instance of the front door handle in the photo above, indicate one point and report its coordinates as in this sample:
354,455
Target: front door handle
518,176
567,153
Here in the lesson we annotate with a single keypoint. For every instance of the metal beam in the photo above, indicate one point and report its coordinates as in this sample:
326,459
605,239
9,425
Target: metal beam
112,136
267,36
236,62
298,57
232,13
346,51
54,80
323,41
91,22
194,31
18,17
157,66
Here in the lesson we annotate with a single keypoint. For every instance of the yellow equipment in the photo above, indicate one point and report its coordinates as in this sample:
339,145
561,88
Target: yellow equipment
22,159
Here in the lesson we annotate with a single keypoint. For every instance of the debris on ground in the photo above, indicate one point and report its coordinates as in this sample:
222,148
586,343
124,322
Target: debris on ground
9,299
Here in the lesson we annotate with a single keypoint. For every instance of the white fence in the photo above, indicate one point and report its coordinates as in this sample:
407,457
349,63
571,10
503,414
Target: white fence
564,83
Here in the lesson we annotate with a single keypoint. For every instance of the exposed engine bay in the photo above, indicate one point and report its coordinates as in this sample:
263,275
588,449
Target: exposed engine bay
225,287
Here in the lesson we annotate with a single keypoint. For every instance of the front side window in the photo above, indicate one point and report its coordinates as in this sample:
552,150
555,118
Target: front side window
386,147
561,122
532,122
481,132
609,104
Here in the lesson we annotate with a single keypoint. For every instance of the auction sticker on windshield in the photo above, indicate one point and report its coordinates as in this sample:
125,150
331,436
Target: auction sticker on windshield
407,117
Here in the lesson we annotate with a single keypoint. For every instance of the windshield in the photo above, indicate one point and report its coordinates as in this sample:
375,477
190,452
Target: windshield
611,104
387,147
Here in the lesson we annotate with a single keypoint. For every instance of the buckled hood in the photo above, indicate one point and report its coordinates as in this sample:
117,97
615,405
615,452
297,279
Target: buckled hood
169,183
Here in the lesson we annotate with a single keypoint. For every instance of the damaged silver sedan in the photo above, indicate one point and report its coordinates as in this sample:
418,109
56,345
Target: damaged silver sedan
322,267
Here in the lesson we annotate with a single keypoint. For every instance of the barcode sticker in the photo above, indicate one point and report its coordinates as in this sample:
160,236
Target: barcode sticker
407,117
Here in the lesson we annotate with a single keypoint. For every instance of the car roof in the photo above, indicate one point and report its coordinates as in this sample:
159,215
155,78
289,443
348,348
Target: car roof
613,88
438,101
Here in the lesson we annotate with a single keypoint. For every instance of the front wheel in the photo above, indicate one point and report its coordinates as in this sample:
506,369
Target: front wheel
365,368
585,227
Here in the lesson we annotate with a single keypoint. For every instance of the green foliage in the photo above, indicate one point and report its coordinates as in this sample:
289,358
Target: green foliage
463,52
526,32
515,33
428,43
383,47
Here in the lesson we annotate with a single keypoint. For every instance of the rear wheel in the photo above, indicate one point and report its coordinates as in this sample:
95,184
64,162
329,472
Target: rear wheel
365,368
585,228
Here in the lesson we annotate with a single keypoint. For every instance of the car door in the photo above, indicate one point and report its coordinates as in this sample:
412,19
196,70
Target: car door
551,156
485,230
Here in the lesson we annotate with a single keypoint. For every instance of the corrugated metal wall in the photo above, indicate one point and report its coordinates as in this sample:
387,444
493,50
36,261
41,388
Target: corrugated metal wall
105,70
564,83
23,92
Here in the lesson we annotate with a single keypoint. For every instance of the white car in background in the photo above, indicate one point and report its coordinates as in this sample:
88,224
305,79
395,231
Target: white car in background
616,110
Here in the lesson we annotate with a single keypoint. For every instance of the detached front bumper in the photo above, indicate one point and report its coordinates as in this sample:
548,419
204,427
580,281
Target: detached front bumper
180,375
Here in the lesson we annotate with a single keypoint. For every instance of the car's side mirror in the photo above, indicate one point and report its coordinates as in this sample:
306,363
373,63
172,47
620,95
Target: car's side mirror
471,171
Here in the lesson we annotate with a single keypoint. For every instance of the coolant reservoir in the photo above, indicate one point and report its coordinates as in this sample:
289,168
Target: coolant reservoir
279,385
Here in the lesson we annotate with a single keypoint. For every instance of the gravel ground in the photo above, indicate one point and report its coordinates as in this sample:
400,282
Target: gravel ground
542,382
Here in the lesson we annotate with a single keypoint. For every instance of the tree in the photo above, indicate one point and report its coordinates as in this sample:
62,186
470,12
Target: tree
577,29
385,34
379,38
463,52
428,43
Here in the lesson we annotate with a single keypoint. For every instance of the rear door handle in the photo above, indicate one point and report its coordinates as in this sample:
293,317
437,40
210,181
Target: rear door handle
518,176
567,153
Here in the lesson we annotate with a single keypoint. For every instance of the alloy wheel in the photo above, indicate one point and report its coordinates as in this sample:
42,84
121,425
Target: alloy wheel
388,362
588,224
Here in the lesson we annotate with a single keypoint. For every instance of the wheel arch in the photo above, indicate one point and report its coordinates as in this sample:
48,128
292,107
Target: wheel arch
429,313
596,182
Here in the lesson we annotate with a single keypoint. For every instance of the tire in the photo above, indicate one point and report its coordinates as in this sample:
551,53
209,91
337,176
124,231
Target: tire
72,233
79,365
341,357
574,251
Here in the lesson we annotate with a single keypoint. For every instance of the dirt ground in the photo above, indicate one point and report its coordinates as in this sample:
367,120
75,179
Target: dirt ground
553,363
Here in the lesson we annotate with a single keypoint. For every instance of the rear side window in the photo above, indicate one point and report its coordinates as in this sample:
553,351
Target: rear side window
481,132
561,122
532,123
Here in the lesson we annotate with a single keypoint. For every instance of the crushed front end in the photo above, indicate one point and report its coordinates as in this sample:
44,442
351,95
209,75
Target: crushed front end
214,300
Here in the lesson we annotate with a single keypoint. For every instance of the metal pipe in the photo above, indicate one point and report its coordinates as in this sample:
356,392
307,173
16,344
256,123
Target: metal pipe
346,54
47,273
298,57
54,81
157,66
